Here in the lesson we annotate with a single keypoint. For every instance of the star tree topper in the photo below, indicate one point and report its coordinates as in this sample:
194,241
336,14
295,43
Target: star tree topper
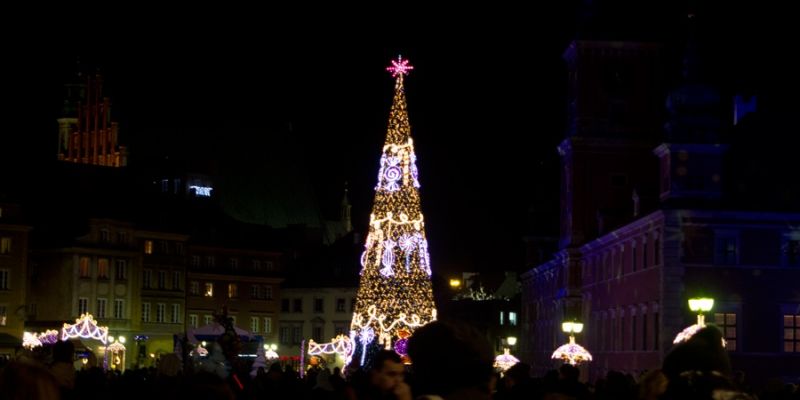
399,67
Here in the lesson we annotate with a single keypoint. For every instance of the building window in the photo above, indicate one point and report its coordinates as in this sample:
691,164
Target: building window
83,267
656,339
195,261
233,291
210,261
161,309
234,263
644,332
101,308
727,250
163,247
657,251
209,289
512,318
5,245
122,237
633,257
193,320
162,279
633,333
319,305
120,269
284,335
268,325
644,255
270,266
148,247
83,305
268,292
176,313
297,334
256,265
316,333
194,288
791,333
179,249
105,236
176,280
298,305
254,291
4,279
727,323
3,314
254,324
207,319
119,309
284,305
102,268
339,305
145,312
502,318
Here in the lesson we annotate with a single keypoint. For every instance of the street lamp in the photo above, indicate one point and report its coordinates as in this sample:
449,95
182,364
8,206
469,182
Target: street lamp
699,305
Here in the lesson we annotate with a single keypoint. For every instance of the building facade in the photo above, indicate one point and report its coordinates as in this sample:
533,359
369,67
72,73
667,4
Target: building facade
13,277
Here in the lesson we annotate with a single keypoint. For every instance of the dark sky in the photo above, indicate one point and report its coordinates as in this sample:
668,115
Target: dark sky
486,100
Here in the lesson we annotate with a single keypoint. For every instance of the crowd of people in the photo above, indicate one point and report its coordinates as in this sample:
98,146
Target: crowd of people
449,362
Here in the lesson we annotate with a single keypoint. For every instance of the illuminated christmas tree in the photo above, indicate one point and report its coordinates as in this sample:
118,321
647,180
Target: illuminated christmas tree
394,296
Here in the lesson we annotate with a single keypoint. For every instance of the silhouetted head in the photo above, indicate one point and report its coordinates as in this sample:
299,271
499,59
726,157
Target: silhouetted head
387,371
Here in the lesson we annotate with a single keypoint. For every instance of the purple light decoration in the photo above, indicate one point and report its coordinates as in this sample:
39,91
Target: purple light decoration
399,67
400,347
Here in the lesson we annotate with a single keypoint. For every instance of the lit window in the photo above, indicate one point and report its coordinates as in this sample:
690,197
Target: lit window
3,315
148,247
209,292
5,245
83,267
501,318
102,268
233,291
791,333
512,318
727,323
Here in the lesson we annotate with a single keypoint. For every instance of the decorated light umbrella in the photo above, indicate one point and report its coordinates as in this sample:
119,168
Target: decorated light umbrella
505,361
700,306
572,352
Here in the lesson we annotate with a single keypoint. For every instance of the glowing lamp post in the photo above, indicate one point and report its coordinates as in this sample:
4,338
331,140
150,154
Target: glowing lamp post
455,284
572,352
700,306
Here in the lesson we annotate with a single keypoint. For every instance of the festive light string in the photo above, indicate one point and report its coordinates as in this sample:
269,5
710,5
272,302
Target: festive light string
395,291
85,327
341,345
29,340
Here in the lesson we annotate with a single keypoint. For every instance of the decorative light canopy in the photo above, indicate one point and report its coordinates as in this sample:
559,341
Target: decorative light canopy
395,293
505,361
85,327
572,353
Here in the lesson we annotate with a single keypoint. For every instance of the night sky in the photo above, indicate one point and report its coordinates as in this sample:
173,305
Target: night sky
486,101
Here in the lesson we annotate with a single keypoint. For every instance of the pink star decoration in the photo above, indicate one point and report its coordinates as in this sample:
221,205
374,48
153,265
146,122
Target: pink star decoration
399,67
